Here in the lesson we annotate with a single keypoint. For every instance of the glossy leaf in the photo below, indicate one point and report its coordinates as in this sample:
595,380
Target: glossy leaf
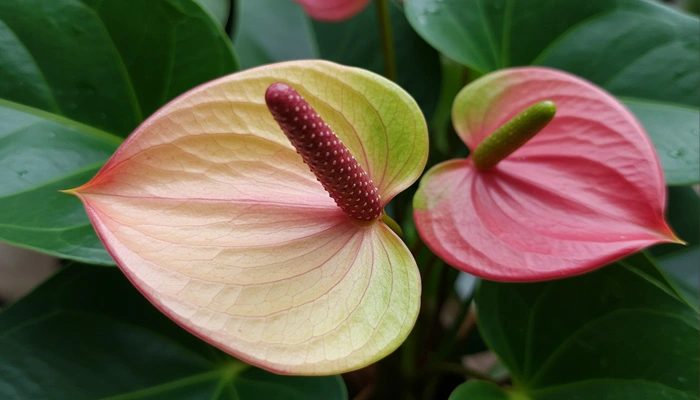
43,153
67,95
356,42
674,132
637,49
565,203
215,218
333,10
622,331
480,390
288,34
265,37
219,9
70,340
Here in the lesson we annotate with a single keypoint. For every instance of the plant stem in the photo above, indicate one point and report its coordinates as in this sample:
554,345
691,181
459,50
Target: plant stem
386,39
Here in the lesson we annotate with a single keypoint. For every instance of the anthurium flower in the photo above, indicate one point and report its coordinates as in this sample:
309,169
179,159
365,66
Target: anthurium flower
212,214
333,10
584,191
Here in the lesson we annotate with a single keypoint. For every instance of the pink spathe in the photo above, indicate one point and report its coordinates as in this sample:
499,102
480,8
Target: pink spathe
585,191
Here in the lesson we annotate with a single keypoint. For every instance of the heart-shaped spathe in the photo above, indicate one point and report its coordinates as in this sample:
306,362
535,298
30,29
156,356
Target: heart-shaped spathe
210,212
586,190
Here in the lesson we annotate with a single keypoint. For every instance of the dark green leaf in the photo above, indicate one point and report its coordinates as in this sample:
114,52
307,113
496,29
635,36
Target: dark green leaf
76,77
622,331
40,154
453,80
674,131
637,49
88,334
683,268
479,390
219,9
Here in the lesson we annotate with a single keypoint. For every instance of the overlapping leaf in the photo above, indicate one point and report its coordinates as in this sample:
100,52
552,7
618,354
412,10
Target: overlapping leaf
265,37
621,331
642,51
212,214
88,334
68,95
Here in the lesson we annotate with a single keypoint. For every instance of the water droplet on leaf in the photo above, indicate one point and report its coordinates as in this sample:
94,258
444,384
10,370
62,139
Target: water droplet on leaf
676,153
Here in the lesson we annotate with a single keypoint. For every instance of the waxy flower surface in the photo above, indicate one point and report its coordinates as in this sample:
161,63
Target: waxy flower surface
212,214
586,190
333,10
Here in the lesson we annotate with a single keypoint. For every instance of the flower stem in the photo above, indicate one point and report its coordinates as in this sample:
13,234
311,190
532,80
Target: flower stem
513,134
386,38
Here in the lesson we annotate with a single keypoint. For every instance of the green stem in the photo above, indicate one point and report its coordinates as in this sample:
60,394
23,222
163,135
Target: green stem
513,134
386,38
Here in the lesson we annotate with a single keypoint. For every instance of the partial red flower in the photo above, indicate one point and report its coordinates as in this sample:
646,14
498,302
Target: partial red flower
333,10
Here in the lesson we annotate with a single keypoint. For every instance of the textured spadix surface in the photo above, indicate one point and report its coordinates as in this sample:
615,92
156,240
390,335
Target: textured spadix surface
210,212
586,190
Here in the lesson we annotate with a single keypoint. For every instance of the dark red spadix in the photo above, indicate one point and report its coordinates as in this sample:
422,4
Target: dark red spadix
325,154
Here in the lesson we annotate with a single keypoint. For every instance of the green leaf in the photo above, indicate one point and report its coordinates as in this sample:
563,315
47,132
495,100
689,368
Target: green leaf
636,49
479,390
69,95
356,42
219,9
674,131
442,134
265,37
621,329
70,339
288,33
